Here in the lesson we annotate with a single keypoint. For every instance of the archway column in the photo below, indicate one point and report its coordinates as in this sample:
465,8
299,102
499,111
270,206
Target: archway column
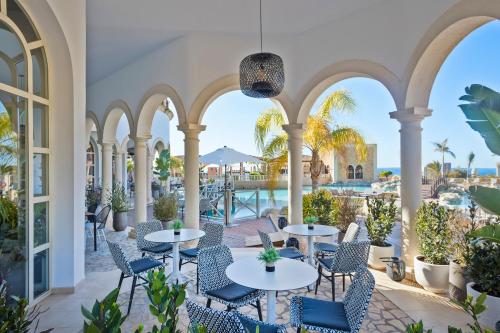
118,167
140,168
191,174
149,176
295,172
411,176
107,170
125,172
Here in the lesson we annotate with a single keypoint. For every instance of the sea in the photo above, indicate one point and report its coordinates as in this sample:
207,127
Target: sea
479,171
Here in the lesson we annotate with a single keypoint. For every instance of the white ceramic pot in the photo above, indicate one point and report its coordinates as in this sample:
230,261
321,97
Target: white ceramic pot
434,278
377,252
491,315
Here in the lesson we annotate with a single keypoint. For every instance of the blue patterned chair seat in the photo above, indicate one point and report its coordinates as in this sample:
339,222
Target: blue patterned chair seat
327,314
290,253
325,248
160,248
325,262
250,325
189,253
144,264
232,292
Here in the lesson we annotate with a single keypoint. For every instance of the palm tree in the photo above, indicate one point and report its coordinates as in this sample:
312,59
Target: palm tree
321,137
470,160
8,146
434,168
443,148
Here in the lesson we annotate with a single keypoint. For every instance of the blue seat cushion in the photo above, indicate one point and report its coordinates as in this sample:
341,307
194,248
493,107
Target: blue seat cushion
326,247
232,292
290,253
327,262
160,248
144,264
192,253
325,314
251,325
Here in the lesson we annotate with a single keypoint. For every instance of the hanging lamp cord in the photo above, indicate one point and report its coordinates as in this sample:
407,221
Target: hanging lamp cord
260,11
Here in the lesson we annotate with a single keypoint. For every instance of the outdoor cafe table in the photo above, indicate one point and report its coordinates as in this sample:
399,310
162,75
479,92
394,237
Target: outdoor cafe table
303,230
167,236
289,274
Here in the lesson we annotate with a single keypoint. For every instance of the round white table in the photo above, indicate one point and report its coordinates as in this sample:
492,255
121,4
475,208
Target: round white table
318,230
167,236
289,274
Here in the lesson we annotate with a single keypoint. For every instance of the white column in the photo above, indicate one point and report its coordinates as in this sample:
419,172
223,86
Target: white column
295,173
149,176
411,176
191,174
140,180
125,173
118,167
107,170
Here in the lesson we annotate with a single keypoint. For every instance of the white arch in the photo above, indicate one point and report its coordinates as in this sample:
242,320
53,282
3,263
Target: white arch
112,116
90,121
343,70
150,102
439,41
158,142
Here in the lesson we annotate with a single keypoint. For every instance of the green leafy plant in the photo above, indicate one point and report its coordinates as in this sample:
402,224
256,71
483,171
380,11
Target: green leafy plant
8,213
165,301
310,220
177,224
380,220
385,174
320,204
165,207
433,233
163,165
105,316
484,266
462,227
345,211
487,198
490,232
417,328
269,256
117,198
93,198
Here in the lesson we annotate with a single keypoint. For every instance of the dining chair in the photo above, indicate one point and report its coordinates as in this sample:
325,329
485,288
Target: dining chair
349,257
214,233
100,219
215,285
335,317
327,249
227,322
131,268
287,252
152,248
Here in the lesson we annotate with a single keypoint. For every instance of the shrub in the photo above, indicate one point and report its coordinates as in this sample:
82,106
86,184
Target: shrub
433,233
461,228
8,213
320,204
117,198
165,207
380,219
345,212
93,198
484,266
105,315
385,174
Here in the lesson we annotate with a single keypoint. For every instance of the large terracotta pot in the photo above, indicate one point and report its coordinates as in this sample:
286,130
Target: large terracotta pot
491,315
434,278
377,252
458,282
120,221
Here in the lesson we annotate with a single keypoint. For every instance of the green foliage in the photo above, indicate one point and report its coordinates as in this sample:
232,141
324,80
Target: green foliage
269,256
345,211
434,168
385,174
93,198
320,204
484,266
310,219
105,317
433,233
165,301
490,232
177,224
8,213
457,173
163,165
165,207
487,198
417,328
461,228
117,198
380,220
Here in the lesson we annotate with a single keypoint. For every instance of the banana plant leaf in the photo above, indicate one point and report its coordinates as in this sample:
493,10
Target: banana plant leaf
163,165
487,198
489,232
483,114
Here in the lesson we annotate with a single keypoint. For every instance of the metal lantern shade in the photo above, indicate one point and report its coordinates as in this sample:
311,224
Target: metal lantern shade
262,75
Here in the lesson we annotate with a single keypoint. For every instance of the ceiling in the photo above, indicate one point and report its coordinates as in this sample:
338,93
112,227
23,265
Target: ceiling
121,31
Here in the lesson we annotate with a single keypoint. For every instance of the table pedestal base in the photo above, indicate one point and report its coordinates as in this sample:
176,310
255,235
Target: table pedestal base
271,306
176,276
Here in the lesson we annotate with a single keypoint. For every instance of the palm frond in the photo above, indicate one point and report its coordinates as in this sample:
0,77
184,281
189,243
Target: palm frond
339,100
268,120
345,136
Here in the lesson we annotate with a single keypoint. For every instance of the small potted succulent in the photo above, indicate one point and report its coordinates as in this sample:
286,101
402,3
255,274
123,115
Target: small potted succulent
310,221
379,223
177,226
434,236
269,257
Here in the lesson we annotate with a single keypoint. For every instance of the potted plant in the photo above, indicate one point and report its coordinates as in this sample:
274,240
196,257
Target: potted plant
433,233
165,209
320,204
269,257
344,213
461,227
379,223
177,226
117,198
483,268
310,221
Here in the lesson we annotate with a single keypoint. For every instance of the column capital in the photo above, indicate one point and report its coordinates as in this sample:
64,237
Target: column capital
413,114
142,139
294,130
191,131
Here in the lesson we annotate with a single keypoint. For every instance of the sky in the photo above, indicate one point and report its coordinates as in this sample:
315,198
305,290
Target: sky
230,119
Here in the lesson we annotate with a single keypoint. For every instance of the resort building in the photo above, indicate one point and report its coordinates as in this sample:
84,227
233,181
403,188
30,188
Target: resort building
348,168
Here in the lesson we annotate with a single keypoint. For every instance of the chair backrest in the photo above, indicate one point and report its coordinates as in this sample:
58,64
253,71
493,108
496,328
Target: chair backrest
352,233
213,235
214,320
102,217
266,240
350,256
142,229
205,205
357,298
120,258
212,264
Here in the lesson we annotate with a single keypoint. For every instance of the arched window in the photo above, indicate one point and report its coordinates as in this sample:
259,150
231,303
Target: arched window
350,172
24,154
359,172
